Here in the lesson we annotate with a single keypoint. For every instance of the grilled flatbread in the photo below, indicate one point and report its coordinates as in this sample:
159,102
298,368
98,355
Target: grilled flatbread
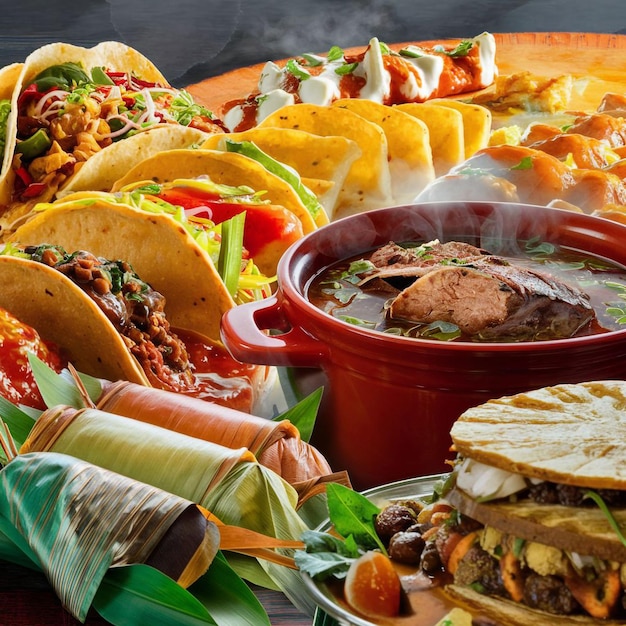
570,434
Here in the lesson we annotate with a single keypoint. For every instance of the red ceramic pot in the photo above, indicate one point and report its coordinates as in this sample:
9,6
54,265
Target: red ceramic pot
389,401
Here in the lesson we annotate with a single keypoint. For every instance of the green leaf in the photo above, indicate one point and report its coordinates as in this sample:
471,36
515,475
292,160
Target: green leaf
18,422
304,414
536,247
54,389
326,555
461,50
353,514
228,599
321,565
312,60
411,53
316,541
444,331
525,164
346,68
100,77
64,75
335,53
140,594
356,321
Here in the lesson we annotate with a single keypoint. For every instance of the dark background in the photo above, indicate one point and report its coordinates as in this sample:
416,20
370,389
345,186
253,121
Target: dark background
190,40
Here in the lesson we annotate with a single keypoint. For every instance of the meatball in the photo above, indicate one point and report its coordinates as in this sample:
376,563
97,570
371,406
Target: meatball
550,594
393,519
406,547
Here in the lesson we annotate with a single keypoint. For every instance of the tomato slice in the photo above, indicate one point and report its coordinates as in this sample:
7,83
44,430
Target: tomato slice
266,224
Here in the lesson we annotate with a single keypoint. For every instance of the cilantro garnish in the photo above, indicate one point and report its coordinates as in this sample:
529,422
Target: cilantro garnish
462,50
525,164
293,67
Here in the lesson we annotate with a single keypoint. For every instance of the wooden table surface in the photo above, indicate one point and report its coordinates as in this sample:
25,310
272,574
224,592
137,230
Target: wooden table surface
26,599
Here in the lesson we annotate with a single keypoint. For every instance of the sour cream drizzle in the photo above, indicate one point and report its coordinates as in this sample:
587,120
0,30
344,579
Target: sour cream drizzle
323,80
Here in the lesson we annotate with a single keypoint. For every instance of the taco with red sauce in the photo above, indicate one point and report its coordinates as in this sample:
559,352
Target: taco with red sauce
72,104
112,324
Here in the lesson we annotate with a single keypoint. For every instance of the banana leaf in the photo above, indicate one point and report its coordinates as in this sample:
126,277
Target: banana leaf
137,594
18,422
276,443
303,414
80,520
134,594
229,483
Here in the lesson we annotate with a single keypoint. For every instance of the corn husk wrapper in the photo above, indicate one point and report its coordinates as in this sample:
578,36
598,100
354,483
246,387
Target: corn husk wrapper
276,444
228,482
80,520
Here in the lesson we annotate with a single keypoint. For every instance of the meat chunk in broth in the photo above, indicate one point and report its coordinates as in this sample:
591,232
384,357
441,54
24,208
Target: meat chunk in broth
484,295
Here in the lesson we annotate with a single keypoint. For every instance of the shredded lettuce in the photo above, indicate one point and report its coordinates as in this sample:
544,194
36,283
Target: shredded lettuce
221,242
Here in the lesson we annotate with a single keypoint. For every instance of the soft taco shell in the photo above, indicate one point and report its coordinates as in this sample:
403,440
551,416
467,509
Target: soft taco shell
9,75
227,168
316,158
61,312
569,433
111,54
159,249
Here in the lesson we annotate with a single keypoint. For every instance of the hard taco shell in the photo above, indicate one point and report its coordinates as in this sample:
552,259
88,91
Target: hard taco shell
323,162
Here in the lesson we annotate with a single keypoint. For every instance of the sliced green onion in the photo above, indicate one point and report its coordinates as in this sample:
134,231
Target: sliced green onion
597,499
231,250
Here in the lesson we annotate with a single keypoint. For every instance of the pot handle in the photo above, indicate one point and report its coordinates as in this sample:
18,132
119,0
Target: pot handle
243,331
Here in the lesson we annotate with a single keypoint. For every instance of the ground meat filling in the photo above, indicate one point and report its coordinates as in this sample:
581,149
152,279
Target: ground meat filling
549,594
568,495
451,548
480,570
132,306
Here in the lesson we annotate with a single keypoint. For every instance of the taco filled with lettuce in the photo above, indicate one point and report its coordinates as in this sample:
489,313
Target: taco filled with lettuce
72,104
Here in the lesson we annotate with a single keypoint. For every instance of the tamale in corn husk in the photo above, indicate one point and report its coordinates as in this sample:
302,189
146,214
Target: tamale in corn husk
276,444
228,482
80,520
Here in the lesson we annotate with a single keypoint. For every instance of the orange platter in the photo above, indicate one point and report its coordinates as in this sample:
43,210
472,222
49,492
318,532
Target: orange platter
597,56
